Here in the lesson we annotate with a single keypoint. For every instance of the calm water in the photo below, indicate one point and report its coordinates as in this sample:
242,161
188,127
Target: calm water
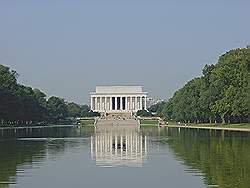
123,157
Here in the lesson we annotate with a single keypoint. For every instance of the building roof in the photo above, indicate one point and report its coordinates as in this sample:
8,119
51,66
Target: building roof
118,89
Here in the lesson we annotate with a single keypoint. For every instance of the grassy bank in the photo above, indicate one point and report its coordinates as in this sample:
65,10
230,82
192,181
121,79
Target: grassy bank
35,126
87,122
148,122
153,123
238,125
243,128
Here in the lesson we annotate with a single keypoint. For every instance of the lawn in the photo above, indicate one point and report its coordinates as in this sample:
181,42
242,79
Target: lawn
149,122
87,122
239,125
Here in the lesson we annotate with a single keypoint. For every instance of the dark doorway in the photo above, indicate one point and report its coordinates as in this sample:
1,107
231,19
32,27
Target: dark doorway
113,103
123,103
118,103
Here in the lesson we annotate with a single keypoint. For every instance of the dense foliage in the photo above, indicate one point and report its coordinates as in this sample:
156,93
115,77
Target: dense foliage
143,113
219,95
76,110
20,104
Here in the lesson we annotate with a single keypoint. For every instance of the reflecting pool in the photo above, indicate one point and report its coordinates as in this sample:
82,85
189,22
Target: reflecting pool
123,157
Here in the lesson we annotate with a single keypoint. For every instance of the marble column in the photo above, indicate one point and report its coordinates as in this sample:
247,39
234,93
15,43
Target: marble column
96,104
121,103
131,103
134,103
126,103
110,103
137,104
91,102
140,103
101,101
95,101
105,104
115,103
102,106
145,103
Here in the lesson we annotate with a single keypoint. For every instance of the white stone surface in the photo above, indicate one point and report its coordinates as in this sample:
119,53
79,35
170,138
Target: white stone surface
119,89
114,99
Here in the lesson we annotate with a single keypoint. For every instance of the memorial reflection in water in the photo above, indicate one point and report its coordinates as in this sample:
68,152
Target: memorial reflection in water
118,146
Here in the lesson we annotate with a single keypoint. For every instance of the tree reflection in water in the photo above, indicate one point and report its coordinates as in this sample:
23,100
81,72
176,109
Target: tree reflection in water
24,149
222,157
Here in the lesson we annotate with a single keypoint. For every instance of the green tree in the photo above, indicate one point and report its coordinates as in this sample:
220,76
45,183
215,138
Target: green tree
143,113
57,109
8,79
220,94
74,110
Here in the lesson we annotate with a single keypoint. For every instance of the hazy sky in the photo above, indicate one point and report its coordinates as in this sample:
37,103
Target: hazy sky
65,48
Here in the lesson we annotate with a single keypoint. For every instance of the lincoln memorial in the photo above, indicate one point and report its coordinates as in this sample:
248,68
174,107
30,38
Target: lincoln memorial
118,99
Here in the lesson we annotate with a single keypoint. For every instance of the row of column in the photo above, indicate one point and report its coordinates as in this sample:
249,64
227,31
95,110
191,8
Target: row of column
114,103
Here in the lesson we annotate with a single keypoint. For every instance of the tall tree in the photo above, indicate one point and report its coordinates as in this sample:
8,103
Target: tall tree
220,94
74,109
57,109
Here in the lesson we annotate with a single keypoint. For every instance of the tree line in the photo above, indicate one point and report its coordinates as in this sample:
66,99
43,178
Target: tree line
20,104
220,95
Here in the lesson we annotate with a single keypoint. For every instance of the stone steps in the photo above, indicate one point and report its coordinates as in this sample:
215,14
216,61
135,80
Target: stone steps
117,122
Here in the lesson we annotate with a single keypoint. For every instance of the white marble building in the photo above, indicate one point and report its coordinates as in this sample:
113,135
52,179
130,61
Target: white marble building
116,99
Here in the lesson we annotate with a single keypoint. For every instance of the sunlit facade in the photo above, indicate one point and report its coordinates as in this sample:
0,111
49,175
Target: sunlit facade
113,99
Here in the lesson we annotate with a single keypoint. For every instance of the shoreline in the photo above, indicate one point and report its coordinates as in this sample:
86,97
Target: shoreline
143,126
210,128
33,127
200,127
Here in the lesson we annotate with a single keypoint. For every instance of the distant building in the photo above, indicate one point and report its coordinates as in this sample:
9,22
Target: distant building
118,99
159,101
151,102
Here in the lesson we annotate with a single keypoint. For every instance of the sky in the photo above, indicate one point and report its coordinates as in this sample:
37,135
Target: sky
67,47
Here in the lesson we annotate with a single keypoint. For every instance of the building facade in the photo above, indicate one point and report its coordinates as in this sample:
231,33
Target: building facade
115,99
